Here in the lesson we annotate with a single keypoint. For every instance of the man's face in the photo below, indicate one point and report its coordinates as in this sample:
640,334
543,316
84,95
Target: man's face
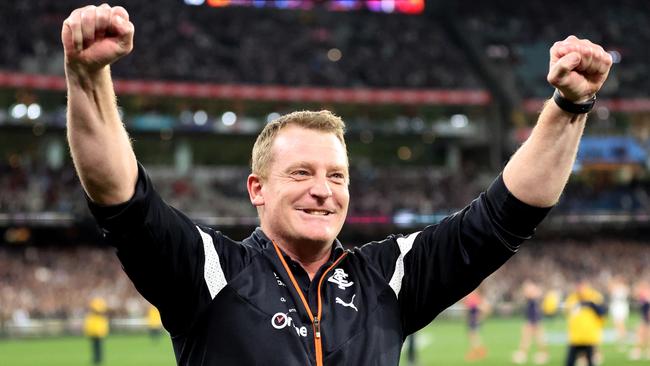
304,198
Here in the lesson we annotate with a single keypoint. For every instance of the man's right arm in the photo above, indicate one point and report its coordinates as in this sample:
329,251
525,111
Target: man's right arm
93,38
175,264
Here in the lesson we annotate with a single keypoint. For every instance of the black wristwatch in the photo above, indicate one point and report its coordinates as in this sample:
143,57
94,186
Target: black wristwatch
575,108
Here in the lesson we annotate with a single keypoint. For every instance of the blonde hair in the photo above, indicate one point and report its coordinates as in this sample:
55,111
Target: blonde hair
324,121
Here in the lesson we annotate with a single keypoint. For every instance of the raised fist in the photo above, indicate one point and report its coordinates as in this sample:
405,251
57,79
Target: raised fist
578,68
96,36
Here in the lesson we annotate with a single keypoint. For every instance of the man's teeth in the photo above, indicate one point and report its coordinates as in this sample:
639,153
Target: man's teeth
317,212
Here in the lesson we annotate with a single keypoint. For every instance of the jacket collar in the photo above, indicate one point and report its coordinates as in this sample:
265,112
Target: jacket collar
259,239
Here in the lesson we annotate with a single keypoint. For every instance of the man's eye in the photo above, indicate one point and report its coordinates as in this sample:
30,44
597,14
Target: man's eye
301,172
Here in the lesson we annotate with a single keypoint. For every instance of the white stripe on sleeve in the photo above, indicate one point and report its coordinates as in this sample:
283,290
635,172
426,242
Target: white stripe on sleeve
212,271
405,244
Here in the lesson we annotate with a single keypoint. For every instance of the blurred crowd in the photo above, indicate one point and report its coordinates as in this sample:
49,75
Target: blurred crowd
34,188
559,265
589,197
58,282
245,45
220,191
253,46
518,35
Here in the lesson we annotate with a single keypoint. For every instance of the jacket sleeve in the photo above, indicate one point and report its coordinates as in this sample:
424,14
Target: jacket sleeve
176,265
432,269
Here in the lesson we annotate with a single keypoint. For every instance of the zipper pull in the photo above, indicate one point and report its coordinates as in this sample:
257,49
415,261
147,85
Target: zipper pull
317,327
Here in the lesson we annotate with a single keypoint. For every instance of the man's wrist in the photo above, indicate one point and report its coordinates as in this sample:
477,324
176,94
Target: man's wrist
86,78
573,107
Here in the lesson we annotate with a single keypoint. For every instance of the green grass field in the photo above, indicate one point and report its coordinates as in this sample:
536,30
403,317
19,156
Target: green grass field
443,343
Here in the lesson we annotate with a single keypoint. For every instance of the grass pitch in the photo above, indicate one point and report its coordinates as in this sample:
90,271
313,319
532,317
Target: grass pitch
444,343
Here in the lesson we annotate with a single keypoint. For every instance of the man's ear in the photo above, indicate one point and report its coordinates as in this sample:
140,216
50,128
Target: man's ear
254,185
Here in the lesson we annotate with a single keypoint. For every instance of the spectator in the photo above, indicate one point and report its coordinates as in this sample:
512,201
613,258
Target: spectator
585,315
96,328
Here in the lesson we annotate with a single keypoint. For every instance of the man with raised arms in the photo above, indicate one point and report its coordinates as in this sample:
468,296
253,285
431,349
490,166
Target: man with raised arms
290,294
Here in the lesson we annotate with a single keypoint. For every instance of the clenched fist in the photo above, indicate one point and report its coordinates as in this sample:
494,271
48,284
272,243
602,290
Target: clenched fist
578,68
96,36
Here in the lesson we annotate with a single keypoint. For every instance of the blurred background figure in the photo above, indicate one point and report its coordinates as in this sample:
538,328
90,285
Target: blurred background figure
642,345
585,316
551,304
619,309
411,350
96,328
532,330
477,310
154,323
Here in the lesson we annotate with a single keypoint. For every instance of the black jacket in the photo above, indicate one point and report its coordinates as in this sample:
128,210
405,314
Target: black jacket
227,302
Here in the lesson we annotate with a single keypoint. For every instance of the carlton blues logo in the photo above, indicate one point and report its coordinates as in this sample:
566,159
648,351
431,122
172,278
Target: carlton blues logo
340,278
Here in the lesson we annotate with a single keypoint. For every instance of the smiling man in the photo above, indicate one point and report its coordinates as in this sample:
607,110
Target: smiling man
290,294
300,184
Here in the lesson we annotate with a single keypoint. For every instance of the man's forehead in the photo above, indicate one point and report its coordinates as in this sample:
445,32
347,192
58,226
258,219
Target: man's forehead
300,144
306,139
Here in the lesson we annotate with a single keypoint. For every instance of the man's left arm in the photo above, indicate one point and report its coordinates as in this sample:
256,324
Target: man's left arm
444,262
539,170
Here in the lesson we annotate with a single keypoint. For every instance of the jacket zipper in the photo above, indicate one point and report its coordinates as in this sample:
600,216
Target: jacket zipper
315,320
317,327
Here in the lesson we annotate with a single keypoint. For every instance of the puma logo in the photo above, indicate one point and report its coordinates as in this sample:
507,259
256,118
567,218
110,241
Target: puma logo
347,304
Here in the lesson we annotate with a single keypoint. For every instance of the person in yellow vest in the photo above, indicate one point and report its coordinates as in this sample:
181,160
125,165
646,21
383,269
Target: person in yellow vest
154,323
586,316
96,328
551,304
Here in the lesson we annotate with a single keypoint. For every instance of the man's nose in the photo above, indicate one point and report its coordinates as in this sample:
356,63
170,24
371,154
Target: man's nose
321,188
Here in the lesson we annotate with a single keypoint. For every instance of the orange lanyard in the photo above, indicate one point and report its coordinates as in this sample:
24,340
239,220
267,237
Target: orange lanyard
315,320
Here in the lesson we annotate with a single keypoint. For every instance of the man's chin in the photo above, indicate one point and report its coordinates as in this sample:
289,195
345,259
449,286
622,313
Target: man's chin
317,239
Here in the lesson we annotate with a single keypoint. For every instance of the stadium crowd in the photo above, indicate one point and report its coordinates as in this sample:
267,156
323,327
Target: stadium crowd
355,49
558,265
518,34
30,187
55,282
240,45
220,191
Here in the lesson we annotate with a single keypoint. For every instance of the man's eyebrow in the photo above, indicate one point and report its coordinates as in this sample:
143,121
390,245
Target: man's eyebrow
301,164
337,167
